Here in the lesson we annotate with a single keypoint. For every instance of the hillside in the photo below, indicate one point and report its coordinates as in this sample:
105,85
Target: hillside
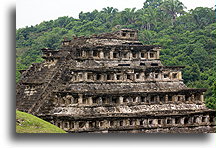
187,37
27,123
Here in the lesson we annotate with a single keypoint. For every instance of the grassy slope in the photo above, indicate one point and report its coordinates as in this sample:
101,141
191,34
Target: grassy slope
27,123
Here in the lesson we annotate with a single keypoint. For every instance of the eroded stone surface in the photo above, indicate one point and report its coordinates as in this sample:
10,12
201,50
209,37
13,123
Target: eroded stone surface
112,83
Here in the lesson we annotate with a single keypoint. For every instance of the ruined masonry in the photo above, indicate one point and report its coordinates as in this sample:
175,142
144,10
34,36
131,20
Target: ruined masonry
112,83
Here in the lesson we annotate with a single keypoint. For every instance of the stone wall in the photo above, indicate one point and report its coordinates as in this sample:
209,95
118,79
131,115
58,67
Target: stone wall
112,83
171,123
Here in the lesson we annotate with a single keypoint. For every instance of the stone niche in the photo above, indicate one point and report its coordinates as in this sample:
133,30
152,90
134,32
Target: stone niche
31,89
127,123
50,62
128,34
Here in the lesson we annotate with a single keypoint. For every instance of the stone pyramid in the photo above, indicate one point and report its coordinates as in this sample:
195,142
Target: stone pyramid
111,82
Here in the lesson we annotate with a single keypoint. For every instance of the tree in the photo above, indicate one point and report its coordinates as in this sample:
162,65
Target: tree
173,8
214,89
147,36
148,17
152,3
211,102
89,16
191,73
109,10
203,16
107,15
129,16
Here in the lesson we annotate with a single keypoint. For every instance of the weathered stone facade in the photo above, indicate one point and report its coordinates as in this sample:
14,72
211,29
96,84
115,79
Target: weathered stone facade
112,83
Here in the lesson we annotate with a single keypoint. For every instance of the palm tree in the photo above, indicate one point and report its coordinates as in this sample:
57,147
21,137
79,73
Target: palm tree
152,13
148,17
108,14
109,10
173,8
128,15
152,3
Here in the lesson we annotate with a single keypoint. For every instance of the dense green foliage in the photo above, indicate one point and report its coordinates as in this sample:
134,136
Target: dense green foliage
187,38
211,101
27,123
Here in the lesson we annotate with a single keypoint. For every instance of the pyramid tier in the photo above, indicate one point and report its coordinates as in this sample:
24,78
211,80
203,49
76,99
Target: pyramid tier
186,121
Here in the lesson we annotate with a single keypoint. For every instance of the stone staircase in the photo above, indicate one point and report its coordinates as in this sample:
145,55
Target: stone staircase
48,87
29,103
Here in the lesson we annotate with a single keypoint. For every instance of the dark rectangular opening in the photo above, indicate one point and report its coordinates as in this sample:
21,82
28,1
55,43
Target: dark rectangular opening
75,100
104,100
131,34
150,122
89,76
79,54
134,54
142,64
80,76
194,119
151,55
166,75
177,120
124,99
211,119
118,77
174,75
186,120
129,77
85,100
98,77
187,98
124,55
72,124
159,121
156,75
108,77
154,64
152,99
169,121
114,100
179,98
95,53
81,124
170,98
137,76
124,33
131,122
94,100
91,124
123,64
121,123
142,55
88,54
115,55
142,99
101,123
134,99
106,54
111,123
66,125
203,119
162,99
141,122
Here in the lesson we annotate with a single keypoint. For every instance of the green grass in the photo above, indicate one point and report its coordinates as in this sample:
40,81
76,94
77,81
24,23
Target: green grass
27,123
